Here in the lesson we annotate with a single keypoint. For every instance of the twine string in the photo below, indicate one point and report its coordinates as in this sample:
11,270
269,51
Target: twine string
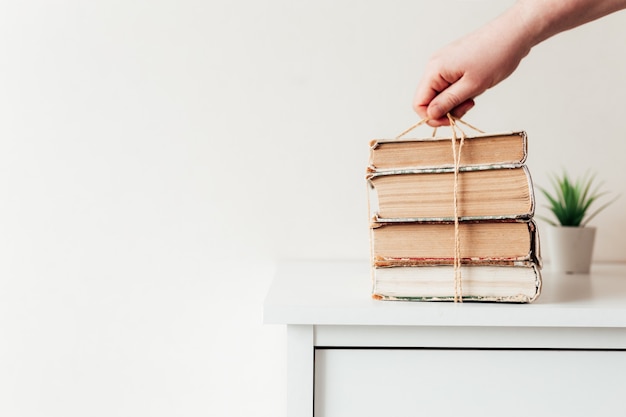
453,124
421,122
456,154
456,119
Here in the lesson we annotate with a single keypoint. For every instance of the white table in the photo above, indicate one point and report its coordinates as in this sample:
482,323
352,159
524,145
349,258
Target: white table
350,355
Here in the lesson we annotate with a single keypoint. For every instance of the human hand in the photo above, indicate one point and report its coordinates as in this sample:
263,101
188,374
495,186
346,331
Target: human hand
458,73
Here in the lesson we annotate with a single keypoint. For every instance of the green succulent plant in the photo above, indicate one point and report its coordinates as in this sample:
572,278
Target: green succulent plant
571,200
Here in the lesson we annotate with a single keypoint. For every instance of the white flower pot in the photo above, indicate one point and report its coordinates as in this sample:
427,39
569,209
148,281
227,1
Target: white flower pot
570,249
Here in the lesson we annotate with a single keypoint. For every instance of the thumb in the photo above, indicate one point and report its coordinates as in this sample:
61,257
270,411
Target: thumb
449,99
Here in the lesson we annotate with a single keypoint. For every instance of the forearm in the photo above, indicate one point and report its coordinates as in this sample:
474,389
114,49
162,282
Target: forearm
542,19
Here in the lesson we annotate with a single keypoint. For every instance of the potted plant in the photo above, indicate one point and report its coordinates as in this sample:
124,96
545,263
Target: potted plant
570,241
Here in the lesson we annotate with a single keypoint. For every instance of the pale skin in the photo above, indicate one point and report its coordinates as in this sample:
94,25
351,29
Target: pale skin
454,76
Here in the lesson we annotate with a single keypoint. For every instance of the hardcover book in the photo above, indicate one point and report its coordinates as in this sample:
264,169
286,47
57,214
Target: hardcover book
501,149
485,193
514,283
414,243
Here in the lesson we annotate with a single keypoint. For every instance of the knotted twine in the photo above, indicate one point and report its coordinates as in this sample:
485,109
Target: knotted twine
456,155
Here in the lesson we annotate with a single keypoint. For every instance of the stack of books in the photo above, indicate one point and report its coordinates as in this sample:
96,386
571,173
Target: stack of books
413,235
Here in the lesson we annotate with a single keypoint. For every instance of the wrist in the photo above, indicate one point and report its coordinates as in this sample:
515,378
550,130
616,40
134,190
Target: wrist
514,31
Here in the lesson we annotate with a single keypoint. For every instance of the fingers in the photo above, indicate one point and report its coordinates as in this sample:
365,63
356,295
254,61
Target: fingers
456,98
423,97
458,112
434,81
437,96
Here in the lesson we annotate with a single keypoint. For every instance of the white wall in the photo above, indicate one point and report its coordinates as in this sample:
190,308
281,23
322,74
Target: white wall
158,157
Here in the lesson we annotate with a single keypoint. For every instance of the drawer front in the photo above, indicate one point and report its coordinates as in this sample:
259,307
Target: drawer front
455,382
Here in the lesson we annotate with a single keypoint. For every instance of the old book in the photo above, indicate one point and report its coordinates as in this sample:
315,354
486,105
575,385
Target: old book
414,243
502,149
488,193
414,239
520,283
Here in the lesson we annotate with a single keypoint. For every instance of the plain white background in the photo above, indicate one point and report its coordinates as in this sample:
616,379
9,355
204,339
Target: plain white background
158,157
